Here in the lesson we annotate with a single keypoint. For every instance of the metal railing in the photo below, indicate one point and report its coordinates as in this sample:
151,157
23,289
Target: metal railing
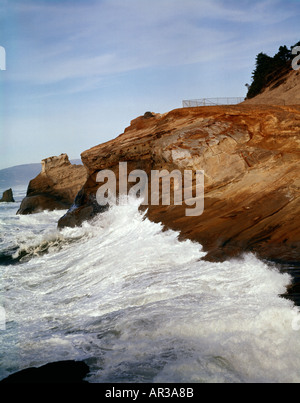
212,101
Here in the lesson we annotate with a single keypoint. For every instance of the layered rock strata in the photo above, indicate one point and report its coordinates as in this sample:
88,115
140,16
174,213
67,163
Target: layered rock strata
55,188
250,156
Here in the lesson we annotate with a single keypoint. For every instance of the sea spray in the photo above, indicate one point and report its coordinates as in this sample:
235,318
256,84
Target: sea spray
140,306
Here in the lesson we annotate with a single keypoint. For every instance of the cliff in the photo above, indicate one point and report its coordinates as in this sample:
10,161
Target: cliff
250,156
55,187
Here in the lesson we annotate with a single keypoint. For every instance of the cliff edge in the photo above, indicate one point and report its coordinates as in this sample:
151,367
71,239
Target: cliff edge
250,156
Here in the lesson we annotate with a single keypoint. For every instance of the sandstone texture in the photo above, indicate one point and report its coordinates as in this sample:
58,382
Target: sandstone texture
283,90
250,155
55,188
7,196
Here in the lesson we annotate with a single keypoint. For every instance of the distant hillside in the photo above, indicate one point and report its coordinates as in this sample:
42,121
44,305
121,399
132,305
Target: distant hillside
20,175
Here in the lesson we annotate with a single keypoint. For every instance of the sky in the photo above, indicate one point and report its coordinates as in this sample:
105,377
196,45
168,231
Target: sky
78,71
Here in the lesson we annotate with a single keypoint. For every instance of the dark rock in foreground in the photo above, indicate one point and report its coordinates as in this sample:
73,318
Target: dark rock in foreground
56,372
84,210
7,197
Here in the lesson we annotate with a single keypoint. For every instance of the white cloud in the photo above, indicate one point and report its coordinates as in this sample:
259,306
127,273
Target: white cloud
93,39
136,53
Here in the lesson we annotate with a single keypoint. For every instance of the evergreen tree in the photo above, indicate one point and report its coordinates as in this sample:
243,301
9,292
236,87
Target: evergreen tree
263,67
267,67
283,55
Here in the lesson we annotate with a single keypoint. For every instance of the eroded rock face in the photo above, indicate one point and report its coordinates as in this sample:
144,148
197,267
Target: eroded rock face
250,156
55,188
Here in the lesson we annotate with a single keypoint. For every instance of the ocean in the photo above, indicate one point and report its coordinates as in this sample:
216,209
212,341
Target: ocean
138,305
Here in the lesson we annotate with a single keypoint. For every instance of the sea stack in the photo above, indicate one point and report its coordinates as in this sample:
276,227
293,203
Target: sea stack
7,197
55,188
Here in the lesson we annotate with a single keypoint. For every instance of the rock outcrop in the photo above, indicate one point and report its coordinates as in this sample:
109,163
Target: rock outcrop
55,188
54,372
284,89
7,196
250,156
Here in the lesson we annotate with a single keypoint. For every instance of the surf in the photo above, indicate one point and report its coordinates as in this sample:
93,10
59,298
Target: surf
138,305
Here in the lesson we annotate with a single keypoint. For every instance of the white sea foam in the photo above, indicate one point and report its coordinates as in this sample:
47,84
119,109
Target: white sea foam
140,306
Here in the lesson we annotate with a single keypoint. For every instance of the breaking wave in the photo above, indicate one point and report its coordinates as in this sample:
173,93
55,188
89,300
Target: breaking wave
138,305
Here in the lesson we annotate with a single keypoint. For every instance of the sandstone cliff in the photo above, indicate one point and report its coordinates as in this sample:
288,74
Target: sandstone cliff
250,155
55,187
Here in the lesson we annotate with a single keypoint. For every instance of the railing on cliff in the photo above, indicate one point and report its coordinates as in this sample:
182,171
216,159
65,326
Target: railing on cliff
212,101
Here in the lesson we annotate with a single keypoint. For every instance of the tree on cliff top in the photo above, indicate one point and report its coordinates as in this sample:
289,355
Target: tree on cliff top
267,68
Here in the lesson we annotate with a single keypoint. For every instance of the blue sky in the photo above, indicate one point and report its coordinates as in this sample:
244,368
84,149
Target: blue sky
77,72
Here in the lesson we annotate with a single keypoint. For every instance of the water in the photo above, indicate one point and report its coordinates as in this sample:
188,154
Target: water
138,305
